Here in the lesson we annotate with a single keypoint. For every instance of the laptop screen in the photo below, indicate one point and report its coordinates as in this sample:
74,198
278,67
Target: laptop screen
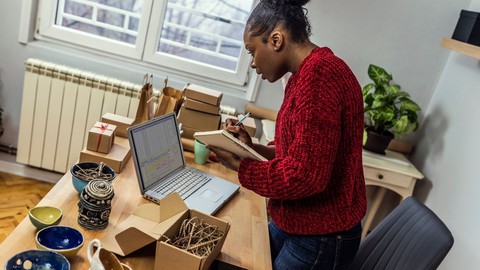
157,149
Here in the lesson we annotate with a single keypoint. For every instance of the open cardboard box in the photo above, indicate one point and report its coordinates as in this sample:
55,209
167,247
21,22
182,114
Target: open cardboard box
150,222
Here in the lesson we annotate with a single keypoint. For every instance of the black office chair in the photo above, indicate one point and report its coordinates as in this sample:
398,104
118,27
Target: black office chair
410,237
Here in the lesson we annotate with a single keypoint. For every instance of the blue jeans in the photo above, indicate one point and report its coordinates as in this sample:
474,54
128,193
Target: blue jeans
297,252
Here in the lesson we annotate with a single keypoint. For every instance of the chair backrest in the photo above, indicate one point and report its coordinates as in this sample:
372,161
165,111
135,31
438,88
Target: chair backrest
410,237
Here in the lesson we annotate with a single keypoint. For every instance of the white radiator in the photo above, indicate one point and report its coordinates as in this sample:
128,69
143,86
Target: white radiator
60,105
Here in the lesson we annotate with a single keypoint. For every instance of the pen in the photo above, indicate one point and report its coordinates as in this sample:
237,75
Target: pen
242,119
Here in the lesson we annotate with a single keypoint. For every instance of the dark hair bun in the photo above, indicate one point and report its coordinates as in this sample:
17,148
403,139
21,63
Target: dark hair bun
287,2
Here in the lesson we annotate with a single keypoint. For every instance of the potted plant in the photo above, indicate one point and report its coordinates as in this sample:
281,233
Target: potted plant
389,111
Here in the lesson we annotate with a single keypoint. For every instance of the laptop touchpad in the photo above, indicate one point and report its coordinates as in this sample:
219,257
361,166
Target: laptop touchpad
210,195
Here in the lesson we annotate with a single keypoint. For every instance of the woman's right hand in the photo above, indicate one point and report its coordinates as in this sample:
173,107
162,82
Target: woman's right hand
238,131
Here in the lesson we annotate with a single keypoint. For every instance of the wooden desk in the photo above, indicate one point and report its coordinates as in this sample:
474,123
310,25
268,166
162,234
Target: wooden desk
391,171
247,243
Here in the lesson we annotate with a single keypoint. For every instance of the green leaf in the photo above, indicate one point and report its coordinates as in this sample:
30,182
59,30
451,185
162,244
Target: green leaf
403,94
379,75
378,102
367,89
364,136
384,116
401,124
393,89
369,100
409,105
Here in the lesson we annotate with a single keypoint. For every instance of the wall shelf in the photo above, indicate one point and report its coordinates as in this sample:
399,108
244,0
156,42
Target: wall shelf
461,47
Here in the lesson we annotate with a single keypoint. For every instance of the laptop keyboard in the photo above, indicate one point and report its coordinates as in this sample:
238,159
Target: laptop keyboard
184,183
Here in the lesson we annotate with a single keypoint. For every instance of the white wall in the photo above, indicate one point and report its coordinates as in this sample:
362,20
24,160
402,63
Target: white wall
447,153
401,36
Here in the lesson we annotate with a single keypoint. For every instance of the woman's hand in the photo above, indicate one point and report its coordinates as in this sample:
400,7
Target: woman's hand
238,131
228,159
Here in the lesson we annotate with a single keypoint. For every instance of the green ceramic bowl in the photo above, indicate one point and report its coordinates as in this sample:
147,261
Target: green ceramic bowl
44,216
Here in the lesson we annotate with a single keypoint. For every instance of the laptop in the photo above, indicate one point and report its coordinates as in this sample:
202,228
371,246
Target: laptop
157,153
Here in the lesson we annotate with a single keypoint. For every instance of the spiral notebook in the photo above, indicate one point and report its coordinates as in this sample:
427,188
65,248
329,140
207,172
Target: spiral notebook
225,140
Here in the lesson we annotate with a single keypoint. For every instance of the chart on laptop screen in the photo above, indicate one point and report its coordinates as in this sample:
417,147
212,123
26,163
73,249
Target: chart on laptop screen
158,150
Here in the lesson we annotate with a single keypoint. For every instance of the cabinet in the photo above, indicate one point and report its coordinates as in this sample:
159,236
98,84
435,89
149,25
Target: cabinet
461,47
392,171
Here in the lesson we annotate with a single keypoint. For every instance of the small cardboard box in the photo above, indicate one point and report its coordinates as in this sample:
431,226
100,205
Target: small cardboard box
150,223
188,132
201,106
198,120
101,137
115,159
120,121
203,94
225,117
249,124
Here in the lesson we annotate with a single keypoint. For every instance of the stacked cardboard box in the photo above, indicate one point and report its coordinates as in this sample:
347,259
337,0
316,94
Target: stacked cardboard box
200,111
107,142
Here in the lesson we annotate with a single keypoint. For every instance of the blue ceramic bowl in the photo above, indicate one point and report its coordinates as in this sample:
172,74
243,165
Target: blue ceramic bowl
62,239
38,259
79,183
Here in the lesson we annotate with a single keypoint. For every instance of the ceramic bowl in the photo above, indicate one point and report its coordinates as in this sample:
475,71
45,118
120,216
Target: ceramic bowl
62,239
38,259
44,216
79,183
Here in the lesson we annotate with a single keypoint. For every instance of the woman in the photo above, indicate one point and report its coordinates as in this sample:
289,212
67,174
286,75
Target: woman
314,176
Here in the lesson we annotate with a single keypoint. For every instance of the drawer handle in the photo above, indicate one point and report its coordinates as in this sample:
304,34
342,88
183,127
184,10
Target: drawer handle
380,176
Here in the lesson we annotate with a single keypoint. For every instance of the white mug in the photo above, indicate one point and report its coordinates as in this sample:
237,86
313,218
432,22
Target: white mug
103,257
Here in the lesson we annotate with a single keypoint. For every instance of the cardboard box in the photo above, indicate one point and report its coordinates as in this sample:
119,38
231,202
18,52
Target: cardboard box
150,223
115,159
249,124
188,132
120,121
225,117
101,137
198,120
203,94
201,106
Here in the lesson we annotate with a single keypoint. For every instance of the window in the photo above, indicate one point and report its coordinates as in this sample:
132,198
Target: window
201,37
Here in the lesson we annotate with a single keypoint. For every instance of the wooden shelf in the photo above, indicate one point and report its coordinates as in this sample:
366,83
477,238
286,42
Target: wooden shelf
461,47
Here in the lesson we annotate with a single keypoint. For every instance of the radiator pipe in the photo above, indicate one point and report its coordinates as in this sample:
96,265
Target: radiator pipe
8,149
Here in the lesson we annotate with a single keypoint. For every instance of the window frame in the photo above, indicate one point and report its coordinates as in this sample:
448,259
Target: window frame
47,28
242,84
240,77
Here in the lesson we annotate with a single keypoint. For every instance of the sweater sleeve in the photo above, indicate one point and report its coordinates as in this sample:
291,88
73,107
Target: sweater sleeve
311,133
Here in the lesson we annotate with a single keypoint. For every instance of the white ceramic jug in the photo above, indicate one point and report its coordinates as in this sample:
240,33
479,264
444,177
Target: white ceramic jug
103,259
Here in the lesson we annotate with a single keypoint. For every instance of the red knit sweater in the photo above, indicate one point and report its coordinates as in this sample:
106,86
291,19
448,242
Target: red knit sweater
315,182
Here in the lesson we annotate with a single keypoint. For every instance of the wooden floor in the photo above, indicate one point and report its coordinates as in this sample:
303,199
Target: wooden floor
17,195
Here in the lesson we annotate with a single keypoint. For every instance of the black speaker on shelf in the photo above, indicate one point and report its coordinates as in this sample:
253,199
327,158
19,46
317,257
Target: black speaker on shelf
468,28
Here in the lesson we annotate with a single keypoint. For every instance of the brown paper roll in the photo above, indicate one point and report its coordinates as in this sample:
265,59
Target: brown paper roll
260,112
188,144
